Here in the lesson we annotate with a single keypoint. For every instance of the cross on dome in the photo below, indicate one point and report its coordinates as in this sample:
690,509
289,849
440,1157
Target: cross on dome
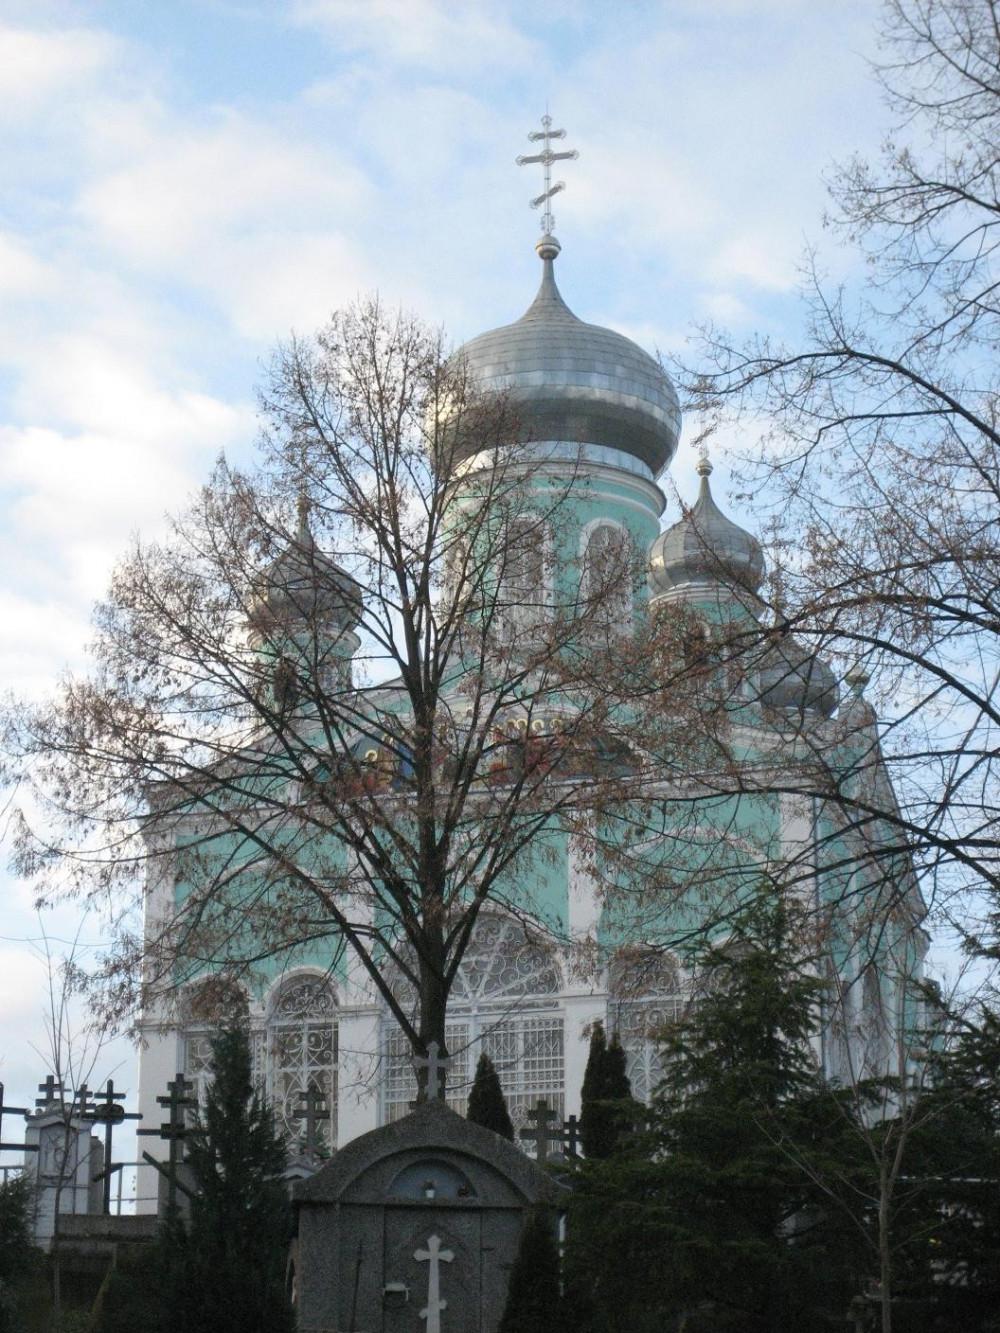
546,157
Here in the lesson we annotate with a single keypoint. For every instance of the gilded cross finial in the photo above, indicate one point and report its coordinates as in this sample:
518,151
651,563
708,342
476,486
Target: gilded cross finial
546,157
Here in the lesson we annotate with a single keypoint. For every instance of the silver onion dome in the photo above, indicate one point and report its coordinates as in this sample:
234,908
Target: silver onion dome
794,680
303,585
705,547
574,382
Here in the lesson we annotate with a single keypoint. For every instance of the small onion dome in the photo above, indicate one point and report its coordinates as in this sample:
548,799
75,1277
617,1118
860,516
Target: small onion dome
857,714
303,585
705,547
575,382
795,680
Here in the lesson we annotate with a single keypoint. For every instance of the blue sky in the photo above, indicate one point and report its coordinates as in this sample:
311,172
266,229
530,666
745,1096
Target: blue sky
186,182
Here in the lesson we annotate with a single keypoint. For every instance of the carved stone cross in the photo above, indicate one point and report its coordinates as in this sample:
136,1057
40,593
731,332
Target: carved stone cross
437,1067
543,1132
434,1256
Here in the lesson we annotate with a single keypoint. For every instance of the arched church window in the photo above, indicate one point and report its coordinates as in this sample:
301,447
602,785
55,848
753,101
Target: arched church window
522,591
301,1053
607,577
203,1006
294,1048
504,1003
646,993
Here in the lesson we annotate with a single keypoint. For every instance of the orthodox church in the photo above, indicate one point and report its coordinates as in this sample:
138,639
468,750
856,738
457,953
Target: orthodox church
595,400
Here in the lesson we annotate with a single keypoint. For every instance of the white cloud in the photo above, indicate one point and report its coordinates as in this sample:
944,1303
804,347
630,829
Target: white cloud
757,260
22,273
252,217
36,65
430,35
726,308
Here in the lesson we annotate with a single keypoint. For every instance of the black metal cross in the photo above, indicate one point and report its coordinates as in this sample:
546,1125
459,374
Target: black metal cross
543,1132
571,1135
109,1113
52,1091
14,1110
81,1104
174,1131
309,1111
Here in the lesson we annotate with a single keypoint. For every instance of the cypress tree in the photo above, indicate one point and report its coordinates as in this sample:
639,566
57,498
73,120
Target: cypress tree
591,1092
534,1303
226,1263
487,1104
605,1096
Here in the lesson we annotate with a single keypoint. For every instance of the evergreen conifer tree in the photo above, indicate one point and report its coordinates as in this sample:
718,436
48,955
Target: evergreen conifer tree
487,1104
724,1181
226,1263
16,1246
534,1303
605,1096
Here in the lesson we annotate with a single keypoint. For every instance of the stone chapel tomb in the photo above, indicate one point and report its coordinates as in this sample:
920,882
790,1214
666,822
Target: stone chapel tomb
414,1226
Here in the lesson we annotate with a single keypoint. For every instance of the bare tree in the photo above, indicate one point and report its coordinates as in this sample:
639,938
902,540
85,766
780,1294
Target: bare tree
354,698
881,461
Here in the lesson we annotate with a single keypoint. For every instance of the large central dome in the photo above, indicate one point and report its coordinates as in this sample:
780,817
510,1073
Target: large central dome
577,383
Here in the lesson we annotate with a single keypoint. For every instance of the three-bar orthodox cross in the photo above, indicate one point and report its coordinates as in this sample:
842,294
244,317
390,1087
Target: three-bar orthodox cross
109,1113
546,157
14,1110
174,1130
543,1132
312,1111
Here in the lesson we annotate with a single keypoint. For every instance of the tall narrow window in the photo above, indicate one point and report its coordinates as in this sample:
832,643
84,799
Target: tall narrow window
521,588
607,578
301,1053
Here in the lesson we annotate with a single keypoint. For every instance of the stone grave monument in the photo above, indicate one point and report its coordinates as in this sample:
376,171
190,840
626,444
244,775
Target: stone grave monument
414,1227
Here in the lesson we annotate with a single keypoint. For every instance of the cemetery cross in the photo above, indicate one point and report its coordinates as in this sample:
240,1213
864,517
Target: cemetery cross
433,1256
14,1110
437,1067
110,1114
174,1131
543,1132
309,1111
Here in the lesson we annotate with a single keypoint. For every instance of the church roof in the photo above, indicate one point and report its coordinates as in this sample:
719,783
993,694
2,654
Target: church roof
705,546
303,585
576,382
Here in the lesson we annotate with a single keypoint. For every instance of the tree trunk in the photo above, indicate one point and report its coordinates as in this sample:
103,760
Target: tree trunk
884,1257
433,1005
